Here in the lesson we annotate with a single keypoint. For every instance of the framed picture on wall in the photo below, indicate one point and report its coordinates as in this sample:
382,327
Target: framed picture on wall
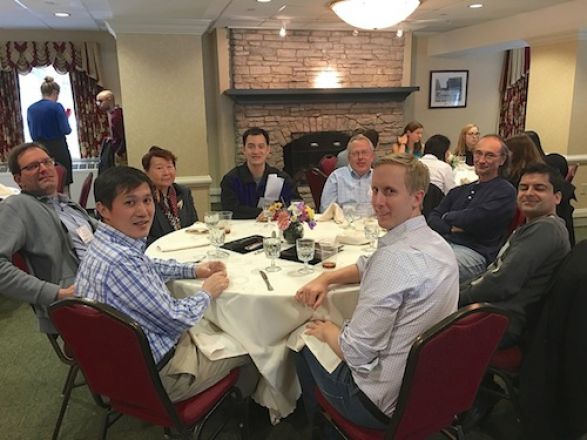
448,88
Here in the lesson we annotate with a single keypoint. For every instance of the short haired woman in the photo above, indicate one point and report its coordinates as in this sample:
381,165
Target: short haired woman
174,205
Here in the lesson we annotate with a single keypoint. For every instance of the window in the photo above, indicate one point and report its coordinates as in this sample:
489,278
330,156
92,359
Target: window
30,92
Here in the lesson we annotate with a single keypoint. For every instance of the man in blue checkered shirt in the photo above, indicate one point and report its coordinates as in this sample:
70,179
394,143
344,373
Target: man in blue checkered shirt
116,271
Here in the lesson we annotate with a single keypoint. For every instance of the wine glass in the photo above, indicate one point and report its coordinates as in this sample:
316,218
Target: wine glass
217,236
371,234
305,249
350,211
272,247
211,218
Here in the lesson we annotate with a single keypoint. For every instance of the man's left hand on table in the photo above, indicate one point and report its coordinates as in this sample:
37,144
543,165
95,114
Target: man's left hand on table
204,270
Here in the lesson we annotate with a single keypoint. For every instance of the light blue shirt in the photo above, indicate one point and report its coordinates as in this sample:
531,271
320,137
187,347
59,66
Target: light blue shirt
344,185
409,284
118,273
73,220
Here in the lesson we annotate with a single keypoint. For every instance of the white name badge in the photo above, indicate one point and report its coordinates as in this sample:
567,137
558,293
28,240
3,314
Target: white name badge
85,233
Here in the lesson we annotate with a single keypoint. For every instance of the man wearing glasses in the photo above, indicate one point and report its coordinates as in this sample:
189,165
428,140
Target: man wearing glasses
474,218
49,230
351,184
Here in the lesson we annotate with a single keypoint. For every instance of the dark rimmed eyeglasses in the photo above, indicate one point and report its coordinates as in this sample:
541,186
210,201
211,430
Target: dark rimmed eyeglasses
34,166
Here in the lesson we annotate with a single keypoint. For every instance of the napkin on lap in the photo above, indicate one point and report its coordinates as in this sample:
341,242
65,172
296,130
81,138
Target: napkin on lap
333,212
197,228
214,343
189,243
352,237
321,350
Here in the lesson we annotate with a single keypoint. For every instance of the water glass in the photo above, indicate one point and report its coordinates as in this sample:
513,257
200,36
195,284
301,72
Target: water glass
328,251
350,212
272,248
371,234
211,218
225,220
217,236
305,248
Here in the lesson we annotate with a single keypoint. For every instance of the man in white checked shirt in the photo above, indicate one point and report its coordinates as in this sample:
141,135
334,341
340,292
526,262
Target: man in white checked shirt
409,284
115,271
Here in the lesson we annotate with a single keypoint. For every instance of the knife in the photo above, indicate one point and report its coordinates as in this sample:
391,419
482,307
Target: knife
266,279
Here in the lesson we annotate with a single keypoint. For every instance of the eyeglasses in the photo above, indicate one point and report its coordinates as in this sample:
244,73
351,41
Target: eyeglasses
34,166
475,133
489,156
360,154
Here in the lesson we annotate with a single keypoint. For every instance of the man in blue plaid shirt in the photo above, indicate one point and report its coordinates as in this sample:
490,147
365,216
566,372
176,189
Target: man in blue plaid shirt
116,271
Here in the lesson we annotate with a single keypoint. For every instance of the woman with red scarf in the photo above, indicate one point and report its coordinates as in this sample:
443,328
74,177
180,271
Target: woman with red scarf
174,205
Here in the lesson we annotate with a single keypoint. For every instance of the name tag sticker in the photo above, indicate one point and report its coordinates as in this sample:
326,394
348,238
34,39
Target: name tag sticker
85,234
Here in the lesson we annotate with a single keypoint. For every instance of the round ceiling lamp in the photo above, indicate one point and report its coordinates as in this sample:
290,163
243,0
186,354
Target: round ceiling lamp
373,14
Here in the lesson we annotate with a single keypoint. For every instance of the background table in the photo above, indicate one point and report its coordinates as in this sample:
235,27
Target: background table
259,319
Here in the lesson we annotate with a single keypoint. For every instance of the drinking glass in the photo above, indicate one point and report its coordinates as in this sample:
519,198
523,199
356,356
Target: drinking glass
211,218
225,220
350,211
272,247
328,250
217,235
371,234
305,249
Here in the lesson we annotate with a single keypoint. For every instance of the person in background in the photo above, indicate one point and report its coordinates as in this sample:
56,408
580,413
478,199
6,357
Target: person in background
342,159
174,205
474,218
523,153
113,150
49,231
468,138
410,141
117,272
436,152
520,276
536,139
409,284
244,188
564,209
351,184
48,125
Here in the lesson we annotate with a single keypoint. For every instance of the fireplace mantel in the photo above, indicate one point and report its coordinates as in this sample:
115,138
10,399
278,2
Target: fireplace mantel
291,96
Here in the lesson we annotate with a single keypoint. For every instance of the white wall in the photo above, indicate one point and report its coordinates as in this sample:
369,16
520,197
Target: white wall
483,91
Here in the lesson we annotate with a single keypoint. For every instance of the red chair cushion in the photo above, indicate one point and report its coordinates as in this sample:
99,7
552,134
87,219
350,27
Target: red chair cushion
354,432
327,164
508,360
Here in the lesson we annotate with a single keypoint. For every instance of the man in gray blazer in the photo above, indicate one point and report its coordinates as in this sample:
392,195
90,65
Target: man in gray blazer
49,231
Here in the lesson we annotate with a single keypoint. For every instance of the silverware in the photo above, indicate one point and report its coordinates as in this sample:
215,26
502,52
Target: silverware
266,279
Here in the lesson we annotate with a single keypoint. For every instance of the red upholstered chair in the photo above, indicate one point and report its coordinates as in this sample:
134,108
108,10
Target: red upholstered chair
444,369
327,164
61,172
114,355
316,180
85,192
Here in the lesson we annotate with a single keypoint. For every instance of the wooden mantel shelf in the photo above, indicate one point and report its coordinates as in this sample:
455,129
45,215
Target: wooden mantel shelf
290,96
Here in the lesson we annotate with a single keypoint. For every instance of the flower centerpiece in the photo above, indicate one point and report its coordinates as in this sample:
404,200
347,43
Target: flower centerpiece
291,221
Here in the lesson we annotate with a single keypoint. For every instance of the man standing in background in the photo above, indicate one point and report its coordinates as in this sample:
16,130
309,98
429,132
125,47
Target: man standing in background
113,151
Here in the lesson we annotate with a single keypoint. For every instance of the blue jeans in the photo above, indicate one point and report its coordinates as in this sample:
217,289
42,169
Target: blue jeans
338,388
471,263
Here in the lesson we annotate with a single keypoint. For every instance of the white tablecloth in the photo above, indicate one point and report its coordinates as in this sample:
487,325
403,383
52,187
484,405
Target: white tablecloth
259,319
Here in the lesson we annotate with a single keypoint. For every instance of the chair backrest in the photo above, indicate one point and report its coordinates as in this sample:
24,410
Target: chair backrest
432,199
316,180
114,355
61,172
327,164
85,192
444,370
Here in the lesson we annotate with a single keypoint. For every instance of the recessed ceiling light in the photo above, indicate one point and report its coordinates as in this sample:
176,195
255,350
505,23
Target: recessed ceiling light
476,5
62,14
263,1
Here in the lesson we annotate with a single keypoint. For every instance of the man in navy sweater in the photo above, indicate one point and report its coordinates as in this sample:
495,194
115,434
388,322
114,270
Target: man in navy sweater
474,218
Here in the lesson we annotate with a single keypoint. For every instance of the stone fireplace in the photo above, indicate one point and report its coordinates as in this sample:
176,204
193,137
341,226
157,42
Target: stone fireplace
277,84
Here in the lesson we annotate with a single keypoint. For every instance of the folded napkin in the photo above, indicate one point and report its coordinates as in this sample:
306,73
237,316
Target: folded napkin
190,243
333,212
321,350
6,191
214,343
197,228
352,237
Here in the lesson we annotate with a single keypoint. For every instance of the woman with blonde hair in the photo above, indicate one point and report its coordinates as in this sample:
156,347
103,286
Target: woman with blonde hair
410,140
468,138
523,152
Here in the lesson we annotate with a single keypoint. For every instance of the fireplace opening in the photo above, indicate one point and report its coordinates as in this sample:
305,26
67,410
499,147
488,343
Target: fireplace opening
306,150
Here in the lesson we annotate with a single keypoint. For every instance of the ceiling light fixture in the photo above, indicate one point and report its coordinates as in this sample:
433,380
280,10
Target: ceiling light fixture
476,5
263,1
62,14
282,31
373,14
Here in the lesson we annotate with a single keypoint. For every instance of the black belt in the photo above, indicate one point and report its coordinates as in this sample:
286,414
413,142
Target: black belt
165,359
373,409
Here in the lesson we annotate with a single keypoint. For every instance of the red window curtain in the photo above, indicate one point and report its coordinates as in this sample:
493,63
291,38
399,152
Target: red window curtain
11,128
514,92
82,62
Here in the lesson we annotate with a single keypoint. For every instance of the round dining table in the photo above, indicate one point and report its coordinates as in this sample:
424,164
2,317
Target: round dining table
262,320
